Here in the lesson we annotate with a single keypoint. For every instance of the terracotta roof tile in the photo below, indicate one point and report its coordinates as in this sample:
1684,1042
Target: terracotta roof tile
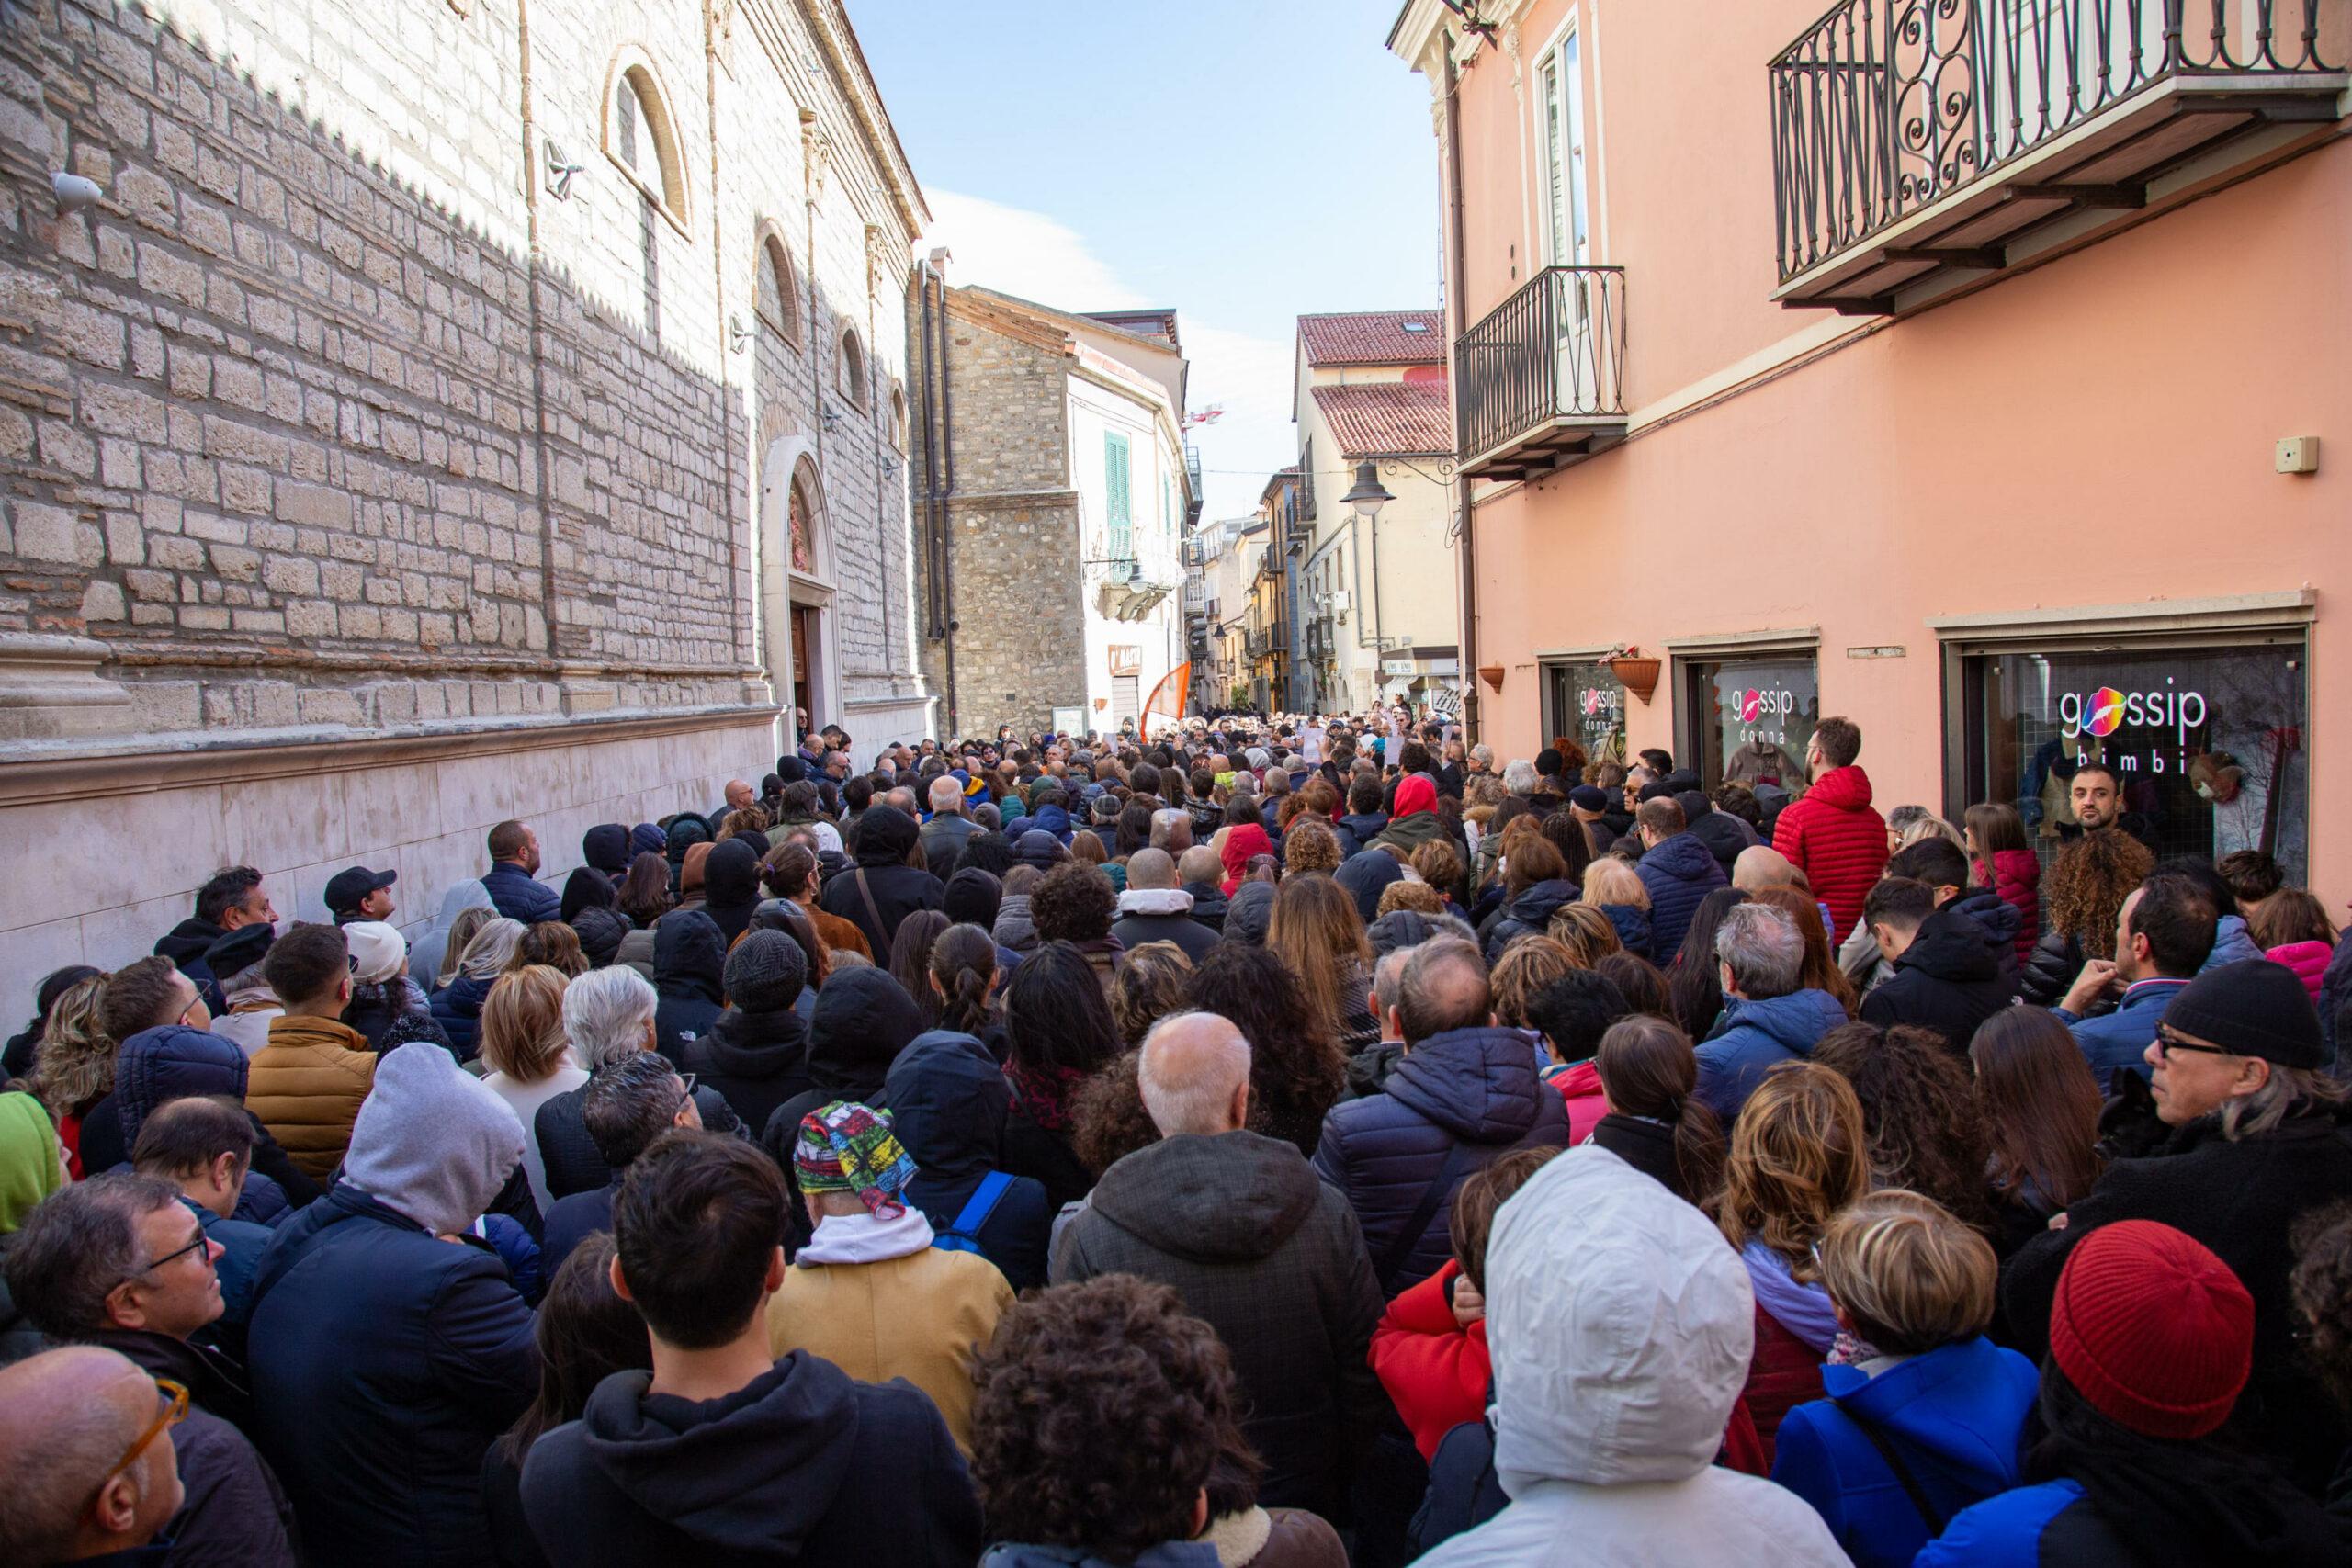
1389,419
1373,337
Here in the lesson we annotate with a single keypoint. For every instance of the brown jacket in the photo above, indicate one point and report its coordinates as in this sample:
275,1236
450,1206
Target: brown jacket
837,934
306,1086
921,1317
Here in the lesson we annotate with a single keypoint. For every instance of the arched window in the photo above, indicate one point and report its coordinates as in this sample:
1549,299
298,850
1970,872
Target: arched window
779,290
803,533
851,380
642,137
898,417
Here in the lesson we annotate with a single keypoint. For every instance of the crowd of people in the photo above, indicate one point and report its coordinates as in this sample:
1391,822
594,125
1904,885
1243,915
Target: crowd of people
1287,1142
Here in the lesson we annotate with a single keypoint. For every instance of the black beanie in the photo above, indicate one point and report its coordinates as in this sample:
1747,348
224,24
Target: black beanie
2254,1006
1548,761
972,897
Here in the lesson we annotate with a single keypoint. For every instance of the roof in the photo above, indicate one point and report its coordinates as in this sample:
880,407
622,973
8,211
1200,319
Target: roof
1156,324
1389,419
1373,337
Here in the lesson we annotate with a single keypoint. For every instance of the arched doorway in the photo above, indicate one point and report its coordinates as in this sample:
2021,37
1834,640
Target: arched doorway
797,591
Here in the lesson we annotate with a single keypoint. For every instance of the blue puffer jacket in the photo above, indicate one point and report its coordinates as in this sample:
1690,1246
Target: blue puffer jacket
457,1008
174,1062
519,897
1678,873
1530,914
1633,925
1753,1037
1472,1087
384,1361
1954,1418
1045,820
2012,1530
2231,941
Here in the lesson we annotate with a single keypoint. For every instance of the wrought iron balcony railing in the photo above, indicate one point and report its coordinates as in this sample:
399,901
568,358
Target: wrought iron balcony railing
1540,381
1885,111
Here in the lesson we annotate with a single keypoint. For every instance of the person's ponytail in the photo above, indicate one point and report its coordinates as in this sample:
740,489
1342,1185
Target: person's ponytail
963,965
1648,1069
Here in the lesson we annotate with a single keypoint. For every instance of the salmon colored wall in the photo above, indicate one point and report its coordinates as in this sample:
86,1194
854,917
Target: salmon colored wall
2096,431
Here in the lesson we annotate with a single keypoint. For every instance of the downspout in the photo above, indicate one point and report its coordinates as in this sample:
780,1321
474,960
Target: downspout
538,339
1470,705
948,499
726,392
875,411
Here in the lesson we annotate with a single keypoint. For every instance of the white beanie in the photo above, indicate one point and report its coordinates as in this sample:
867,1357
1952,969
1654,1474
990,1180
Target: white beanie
431,1141
378,951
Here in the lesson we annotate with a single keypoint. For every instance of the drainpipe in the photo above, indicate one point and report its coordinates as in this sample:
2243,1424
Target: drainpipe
1471,705
937,438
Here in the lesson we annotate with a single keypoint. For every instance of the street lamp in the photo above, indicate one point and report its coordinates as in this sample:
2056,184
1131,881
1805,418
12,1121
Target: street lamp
1369,494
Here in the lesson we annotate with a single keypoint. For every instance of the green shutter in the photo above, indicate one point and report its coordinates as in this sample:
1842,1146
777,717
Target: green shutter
1114,485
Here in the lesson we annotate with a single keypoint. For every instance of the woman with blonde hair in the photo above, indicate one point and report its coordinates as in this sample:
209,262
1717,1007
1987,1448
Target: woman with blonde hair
457,1007
1310,845
1913,1284
1588,933
73,1064
463,927
1318,935
1612,886
530,1062
1798,1154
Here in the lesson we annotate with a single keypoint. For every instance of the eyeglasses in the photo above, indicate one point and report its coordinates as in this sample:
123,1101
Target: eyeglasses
2168,1043
685,1094
173,1398
195,1245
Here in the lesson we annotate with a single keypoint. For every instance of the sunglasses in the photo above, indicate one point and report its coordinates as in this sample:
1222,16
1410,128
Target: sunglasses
172,1400
2168,1043
195,1245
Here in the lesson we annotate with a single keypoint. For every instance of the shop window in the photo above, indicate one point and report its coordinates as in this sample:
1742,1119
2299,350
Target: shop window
1748,720
1584,703
2207,741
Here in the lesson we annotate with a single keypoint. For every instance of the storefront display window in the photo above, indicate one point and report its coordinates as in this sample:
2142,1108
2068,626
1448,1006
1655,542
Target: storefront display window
1585,702
2209,743
1748,720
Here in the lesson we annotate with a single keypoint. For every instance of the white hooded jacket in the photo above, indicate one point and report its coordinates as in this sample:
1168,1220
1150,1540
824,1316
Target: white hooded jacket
1620,1323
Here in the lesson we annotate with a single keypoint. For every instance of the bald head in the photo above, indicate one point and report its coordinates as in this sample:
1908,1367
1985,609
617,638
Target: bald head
1172,830
1760,866
1200,864
65,1417
1194,1073
739,795
1443,988
946,794
1152,870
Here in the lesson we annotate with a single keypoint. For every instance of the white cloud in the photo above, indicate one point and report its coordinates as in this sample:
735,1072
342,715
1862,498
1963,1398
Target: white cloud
1038,257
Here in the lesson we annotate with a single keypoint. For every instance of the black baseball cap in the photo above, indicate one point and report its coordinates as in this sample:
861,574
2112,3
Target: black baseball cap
348,887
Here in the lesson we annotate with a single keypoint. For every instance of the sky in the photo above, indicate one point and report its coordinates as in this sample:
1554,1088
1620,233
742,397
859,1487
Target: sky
1247,161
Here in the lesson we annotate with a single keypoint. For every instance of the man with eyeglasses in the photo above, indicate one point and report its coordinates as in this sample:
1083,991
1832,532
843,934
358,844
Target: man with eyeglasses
119,1262
2251,1136
625,1107
86,1477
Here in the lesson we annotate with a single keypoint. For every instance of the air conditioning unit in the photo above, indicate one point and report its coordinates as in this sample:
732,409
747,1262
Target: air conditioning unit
1340,602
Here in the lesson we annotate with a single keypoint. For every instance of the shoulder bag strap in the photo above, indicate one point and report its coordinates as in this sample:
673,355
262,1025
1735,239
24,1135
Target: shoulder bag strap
1401,1247
881,933
1934,1518
981,1204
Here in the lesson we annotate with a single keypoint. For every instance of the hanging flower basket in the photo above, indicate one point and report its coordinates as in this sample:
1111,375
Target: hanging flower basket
1492,675
1635,669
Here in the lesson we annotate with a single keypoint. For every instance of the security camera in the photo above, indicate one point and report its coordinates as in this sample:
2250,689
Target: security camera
73,193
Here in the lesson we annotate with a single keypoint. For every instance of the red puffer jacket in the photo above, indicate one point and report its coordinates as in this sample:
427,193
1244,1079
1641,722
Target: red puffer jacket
2016,875
1782,1374
1435,1370
1837,840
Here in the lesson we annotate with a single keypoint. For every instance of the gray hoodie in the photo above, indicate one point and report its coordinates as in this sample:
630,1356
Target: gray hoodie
431,1140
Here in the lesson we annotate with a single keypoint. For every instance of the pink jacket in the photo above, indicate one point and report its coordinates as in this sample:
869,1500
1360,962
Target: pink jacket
2309,961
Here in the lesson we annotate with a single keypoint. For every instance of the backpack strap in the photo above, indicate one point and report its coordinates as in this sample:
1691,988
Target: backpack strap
1934,1518
981,1204
1400,1246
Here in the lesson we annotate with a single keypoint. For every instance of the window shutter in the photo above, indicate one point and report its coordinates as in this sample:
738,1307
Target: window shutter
1114,485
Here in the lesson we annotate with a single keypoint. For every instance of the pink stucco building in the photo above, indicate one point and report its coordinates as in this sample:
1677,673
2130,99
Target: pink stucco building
1944,364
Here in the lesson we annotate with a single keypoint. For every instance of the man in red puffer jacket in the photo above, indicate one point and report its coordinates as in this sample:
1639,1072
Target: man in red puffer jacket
1833,835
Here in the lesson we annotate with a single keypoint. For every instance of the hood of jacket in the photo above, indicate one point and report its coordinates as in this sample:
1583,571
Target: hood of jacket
1240,844
948,1099
1962,1403
689,955
186,942
1951,945
431,1140
1155,901
1364,824
1478,1084
863,1020
1233,1197
1415,793
1842,789
606,848
1534,907
763,1044
1579,1277
1248,912
600,929
1685,858
1038,848
1999,918
173,1062
1050,820
885,836
732,874
1633,923
1208,900
1792,1022
1366,875
753,1473
2232,942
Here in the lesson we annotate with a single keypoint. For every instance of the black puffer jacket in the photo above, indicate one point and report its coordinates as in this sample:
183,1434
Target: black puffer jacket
689,967
1530,914
1948,980
1272,1259
883,838
2057,959
600,929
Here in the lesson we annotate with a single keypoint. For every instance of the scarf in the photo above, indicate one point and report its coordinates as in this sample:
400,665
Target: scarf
1043,1094
1803,1309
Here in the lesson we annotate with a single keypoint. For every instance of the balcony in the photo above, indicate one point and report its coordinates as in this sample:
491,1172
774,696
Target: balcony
1921,146
1542,377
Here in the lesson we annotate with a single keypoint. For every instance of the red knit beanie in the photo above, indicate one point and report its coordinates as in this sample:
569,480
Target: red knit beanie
2154,1330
